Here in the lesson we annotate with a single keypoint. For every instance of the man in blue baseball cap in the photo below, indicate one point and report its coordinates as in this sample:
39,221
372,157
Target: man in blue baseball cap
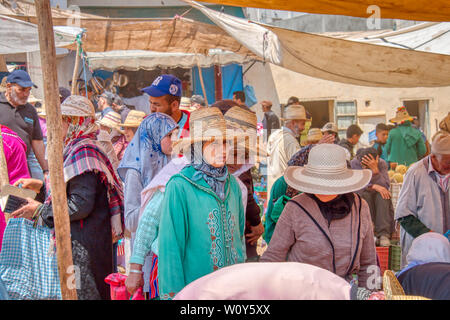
165,97
22,118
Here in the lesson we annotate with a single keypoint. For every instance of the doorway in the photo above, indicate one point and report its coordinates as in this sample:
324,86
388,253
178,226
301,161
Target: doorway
319,110
419,109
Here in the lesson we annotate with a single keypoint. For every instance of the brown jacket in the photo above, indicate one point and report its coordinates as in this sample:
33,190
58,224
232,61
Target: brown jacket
298,238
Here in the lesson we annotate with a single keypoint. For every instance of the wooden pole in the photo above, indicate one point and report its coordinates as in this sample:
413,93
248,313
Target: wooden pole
3,67
55,149
75,70
202,83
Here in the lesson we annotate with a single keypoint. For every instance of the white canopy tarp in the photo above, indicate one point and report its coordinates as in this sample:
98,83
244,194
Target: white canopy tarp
17,36
427,37
334,59
133,60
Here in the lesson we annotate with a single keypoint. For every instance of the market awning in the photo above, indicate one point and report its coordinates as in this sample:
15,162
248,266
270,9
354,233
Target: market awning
17,36
133,60
334,59
421,10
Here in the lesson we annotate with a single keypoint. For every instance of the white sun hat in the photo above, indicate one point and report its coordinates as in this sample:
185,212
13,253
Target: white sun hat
327,173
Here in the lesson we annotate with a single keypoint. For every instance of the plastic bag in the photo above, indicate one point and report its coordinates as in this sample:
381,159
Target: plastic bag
118,289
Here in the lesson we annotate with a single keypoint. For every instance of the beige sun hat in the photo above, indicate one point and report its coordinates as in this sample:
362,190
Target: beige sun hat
111,120
440,144
242,123
134,119
327,173
401,116
74,106
314,134
330,126
205,124
294,112
3,84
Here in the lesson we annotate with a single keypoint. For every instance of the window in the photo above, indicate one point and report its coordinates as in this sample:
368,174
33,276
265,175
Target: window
345,113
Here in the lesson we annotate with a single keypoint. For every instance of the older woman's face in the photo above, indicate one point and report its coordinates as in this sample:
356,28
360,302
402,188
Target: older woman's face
215,152
129,133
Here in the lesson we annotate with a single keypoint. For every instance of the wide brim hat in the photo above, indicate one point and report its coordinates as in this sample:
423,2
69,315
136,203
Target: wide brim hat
133,119
401,116
314,134
205,124
327,173
111,120
294,112
242,124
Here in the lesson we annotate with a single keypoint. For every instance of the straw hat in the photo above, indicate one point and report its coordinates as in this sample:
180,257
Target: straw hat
134,119
330,126
205,124
314,134
294,112
327,173
111,120
401,116
242,123
445,123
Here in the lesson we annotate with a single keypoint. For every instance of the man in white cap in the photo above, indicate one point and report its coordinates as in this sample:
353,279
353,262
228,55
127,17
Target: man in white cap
423,203
284,143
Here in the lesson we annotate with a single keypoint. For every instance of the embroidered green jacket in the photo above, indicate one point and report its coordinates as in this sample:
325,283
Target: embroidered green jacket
198,233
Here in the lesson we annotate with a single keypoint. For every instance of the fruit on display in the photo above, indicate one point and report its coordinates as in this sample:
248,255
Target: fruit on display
401,169
391,174
398,177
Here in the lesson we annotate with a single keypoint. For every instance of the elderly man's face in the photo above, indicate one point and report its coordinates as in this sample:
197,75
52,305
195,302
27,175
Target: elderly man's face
17,95
441,163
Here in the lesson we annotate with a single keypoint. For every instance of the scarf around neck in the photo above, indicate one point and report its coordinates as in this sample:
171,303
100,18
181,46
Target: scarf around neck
337,208
214,177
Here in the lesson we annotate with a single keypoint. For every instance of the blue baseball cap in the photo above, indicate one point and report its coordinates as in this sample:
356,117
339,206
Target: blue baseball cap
22,78
164,84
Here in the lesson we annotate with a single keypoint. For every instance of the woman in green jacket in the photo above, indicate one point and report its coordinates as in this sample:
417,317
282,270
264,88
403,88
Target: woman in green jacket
202,220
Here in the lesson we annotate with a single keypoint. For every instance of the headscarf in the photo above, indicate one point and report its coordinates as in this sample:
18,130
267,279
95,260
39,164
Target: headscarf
144,153
426,248
83,153
214,177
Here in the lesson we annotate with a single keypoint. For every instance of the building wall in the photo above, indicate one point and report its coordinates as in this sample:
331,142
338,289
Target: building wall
383,101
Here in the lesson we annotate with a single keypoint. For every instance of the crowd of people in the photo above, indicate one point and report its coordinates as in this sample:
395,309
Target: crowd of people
178,186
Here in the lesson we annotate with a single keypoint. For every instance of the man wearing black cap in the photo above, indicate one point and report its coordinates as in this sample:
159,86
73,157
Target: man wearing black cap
20,116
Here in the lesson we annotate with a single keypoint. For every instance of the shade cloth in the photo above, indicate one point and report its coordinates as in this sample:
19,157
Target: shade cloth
336,59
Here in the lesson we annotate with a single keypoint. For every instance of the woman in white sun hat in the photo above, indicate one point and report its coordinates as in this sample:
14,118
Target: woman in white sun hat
328,225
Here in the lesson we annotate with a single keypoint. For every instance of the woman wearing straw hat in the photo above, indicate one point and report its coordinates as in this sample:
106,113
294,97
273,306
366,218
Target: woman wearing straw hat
405,144
131,124
94,199
110,125
314,226
202,223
